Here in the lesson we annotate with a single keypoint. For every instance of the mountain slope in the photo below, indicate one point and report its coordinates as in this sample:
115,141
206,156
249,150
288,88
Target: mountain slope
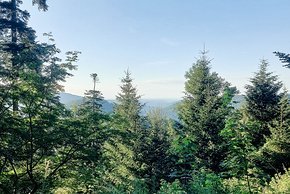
167,105
70,99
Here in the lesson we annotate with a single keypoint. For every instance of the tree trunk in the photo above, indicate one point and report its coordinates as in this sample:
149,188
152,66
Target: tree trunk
14,51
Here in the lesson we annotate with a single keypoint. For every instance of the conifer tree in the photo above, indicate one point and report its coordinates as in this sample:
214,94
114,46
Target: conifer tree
93,98
202,113
91,127
128,105
153,148
276,151
15,36
262,100
127,123
239,161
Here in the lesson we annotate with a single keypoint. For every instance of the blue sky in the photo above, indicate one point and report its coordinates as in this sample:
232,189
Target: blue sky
158,40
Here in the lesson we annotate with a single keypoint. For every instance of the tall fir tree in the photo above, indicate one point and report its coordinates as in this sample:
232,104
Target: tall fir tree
127,122
89,122
202,113
262,101
128,105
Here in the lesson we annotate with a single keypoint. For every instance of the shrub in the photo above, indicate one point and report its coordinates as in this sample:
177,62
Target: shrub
280,183
171,188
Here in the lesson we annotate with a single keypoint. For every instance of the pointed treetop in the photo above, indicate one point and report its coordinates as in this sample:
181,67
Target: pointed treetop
95,77
204,51
127,75
263,94
263,66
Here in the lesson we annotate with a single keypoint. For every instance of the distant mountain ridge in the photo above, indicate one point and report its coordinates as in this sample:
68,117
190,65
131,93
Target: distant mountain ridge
70,100
167,105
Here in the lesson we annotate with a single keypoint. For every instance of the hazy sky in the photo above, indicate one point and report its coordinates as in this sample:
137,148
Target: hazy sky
158,40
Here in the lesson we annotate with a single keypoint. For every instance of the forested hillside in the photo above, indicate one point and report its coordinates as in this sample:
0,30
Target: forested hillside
168,106
214,146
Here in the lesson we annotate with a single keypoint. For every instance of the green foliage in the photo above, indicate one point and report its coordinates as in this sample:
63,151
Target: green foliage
40,140
279,184
240,185
128,105
204,181
202,112
91,124
241,160
262,101
171,188
263,95
183,149
275,153
153,147
239,142
32,131
45,148
121,149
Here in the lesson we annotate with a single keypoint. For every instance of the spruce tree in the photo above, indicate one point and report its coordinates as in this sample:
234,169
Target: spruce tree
276,151
262,100
128,105
202,113
127,123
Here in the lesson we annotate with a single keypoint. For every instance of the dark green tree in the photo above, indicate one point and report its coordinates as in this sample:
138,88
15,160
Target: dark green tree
202,112
276,151
153,151
16,36
93,98
262,100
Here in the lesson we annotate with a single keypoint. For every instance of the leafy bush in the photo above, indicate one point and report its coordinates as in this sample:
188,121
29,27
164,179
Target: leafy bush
205,182
171,188
279,183
63,190
240,186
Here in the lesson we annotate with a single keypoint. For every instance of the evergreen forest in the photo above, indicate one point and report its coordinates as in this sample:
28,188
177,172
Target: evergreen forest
211,148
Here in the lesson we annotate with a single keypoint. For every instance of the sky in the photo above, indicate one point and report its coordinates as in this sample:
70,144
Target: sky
159,40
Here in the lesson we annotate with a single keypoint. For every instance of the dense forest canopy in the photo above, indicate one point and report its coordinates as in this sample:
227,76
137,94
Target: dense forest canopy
212,147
